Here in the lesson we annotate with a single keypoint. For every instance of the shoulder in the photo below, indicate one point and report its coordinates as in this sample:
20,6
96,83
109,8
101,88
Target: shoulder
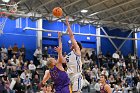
107,87
47,72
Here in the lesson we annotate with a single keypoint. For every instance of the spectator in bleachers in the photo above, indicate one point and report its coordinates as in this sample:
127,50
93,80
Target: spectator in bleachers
120,55
50,50
2,88
129,67
45,52
44,62
9,66
112,81
25,66
85,84
10,55
37,56
95,71
18,87
117,89
97,86
31,66
6,82
138,86
5,58
0,52
36,73
2,69
115,56
93,57
14,60
49,88
18,68
124,74
88,76
86,63
105,72
35,83
14,73
43,89
118,79
100,59
4,63
111,64
108,55
3,52
23,51
15,49
20,60
27,83
23,75
26,73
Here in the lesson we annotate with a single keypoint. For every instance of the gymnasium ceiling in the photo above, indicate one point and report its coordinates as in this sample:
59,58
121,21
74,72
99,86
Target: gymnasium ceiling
123,14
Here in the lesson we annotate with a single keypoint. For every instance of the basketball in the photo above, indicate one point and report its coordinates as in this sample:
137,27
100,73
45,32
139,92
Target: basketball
57,12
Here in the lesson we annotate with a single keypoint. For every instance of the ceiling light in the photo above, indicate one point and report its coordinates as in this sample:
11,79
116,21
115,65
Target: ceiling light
84,11
6,1
94,14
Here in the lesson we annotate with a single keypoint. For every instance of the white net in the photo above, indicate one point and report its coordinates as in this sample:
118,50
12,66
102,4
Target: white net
3,19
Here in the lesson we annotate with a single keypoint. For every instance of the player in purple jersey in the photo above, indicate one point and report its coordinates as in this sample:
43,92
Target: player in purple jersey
57,72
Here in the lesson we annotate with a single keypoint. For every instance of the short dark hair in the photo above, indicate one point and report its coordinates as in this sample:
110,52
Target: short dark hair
104,76
80,45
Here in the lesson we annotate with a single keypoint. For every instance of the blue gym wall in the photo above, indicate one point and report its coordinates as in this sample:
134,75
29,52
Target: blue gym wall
107,46
138,35
60,26
28,38
12,35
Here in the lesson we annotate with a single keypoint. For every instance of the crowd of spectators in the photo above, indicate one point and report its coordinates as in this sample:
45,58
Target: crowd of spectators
123,72
19,75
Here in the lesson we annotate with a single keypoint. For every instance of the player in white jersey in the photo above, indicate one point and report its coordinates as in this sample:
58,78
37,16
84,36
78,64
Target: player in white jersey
74,63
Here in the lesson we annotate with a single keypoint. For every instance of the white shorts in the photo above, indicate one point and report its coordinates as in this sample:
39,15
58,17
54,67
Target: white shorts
76,81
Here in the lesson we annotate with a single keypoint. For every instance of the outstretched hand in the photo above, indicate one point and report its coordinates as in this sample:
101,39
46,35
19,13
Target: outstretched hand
59,34
42,84
58,49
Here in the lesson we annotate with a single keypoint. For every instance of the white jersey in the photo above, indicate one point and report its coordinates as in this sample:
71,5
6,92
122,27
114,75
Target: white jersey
74,63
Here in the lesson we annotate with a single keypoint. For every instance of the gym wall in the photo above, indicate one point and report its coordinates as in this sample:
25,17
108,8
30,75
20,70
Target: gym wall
107,46
13,33
138,44
51,38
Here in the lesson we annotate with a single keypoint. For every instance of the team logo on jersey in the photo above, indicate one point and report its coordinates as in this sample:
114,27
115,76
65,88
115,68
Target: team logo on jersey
54,74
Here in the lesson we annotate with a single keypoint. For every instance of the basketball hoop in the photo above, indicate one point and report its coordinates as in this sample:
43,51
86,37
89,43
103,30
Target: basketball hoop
3,19
12,6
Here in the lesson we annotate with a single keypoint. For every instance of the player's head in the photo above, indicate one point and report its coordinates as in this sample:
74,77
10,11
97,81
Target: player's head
79,44
49,88
103,78
51,62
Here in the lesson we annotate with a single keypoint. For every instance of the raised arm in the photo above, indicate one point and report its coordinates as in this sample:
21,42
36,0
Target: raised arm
76,47
46,76
59,49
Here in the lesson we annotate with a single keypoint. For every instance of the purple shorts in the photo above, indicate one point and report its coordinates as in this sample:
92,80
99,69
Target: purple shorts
66,89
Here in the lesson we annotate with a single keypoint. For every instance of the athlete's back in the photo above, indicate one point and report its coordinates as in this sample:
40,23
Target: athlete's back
60,78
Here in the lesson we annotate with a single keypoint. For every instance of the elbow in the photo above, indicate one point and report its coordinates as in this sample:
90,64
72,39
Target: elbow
71,36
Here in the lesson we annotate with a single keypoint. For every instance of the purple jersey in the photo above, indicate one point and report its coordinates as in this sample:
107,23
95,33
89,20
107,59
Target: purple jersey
60,79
